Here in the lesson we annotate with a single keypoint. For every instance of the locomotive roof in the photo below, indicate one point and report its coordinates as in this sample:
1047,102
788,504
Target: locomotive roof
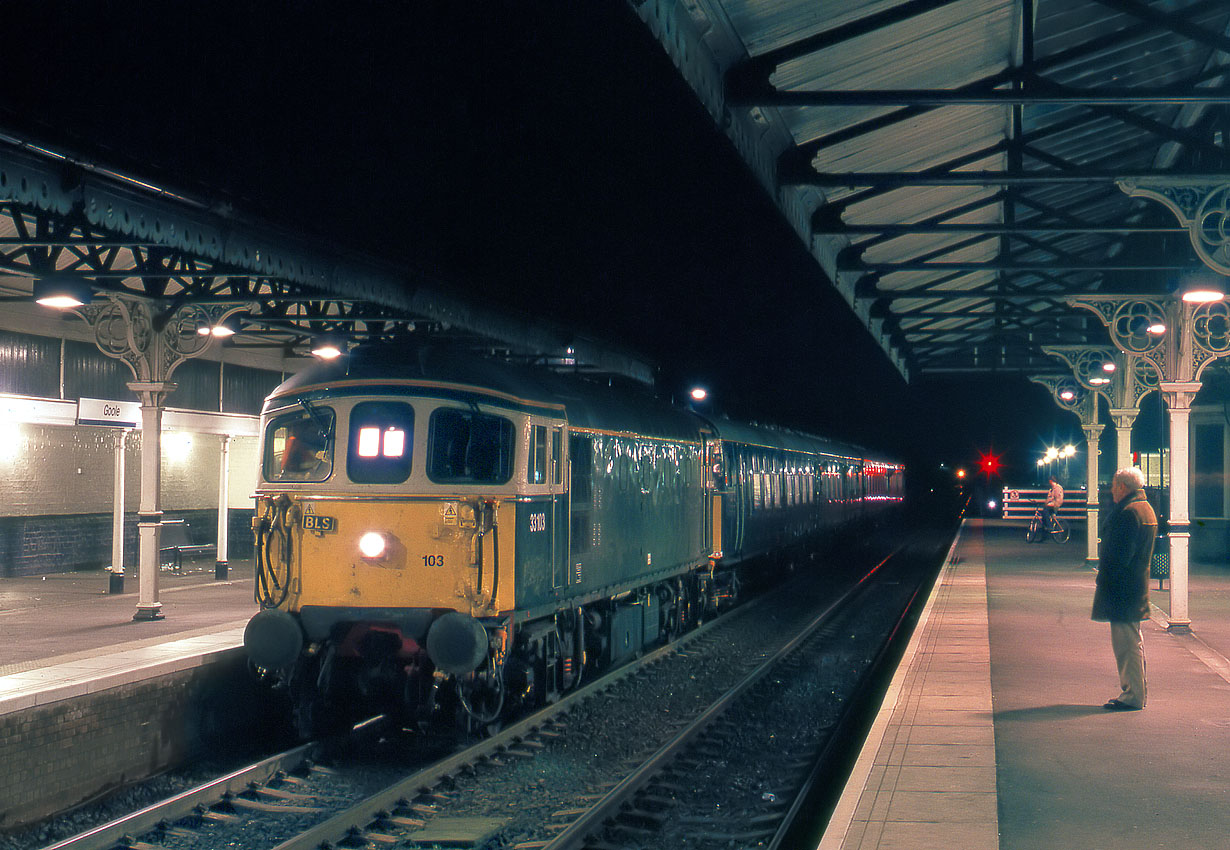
588,404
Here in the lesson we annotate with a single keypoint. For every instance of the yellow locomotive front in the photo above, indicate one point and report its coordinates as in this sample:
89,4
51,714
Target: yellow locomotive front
379,552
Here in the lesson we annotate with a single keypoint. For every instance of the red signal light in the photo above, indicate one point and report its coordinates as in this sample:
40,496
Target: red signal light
989,463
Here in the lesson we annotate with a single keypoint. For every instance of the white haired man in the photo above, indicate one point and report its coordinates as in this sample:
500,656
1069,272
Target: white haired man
1121,597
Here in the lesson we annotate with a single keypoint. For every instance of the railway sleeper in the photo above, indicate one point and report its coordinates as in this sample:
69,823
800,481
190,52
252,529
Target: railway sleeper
277,793
261,806
571,814
632,831
656,801
643,817
737,837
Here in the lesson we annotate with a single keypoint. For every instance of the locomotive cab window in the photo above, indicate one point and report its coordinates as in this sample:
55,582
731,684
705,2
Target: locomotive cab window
468,447
536,470
299,446
381,435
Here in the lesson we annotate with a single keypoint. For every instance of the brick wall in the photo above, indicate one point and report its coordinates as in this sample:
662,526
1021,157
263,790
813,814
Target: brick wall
56,503
31,546
58,755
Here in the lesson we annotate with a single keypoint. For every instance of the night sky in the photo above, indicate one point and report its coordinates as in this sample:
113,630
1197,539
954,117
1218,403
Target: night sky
540,157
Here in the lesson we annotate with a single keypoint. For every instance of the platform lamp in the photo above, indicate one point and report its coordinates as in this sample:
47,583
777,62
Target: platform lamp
221,330
62,293
328,346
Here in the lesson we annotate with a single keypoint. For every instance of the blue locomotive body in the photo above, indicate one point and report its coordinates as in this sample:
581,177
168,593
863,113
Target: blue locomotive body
467,535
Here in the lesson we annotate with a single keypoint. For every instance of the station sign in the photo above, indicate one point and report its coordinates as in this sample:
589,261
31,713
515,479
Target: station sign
117,414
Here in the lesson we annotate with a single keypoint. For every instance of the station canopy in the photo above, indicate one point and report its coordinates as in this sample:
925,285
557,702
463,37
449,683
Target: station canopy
958,168
71,223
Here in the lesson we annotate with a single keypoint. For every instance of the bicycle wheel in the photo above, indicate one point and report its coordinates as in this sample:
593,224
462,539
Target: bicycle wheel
1033,533
1059,532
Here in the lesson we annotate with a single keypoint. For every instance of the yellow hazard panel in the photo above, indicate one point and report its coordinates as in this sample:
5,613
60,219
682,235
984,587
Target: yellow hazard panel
425,553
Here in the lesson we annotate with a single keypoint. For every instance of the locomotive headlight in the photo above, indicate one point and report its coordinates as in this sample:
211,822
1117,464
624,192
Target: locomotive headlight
373,545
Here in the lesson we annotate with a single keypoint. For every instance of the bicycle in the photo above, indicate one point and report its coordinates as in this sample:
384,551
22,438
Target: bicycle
1056,530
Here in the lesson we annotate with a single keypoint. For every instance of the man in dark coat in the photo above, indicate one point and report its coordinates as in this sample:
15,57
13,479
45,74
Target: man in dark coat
1122,593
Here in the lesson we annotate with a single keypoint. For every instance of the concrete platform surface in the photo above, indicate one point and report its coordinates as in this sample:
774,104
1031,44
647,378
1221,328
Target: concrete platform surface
46,618
993,735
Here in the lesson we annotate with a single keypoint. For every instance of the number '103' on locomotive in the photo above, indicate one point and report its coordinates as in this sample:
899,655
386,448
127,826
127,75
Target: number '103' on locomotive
459,537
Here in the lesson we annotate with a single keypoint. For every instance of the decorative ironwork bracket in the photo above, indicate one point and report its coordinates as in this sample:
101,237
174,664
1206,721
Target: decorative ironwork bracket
1070,395
1200,206
1176,338
1123,388
152,344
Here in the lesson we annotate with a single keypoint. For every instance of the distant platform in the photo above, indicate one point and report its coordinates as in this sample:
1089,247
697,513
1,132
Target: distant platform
992,733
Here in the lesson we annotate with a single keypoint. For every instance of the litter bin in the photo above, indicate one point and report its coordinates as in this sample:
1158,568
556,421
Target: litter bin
1159,567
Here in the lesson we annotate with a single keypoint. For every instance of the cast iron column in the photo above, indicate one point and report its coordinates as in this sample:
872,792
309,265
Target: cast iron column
149,516
116,581
1179,340
153,344
220,565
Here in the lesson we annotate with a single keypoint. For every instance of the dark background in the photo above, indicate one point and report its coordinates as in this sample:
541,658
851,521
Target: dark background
539,157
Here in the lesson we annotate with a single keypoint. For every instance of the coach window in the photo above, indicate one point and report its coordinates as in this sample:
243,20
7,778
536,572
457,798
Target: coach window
380,439
467,447
299,445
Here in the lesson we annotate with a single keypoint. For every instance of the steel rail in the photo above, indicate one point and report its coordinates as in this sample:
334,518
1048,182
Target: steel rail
847,723
357,817
575,834
185,803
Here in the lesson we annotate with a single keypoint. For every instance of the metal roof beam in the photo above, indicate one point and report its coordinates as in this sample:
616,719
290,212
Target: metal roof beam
957,295
1180,23
896,179
1010,266
750,76
1067,215
1010,311
1042,94
1120,38
993,334
897,229
830,213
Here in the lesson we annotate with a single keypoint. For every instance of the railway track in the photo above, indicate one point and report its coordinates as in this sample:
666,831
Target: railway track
614,762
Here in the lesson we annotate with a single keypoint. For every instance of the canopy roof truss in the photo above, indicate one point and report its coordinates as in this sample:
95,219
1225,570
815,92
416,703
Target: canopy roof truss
64,218
954,166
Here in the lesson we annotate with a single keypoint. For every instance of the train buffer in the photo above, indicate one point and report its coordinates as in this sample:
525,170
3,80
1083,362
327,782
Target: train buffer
175,543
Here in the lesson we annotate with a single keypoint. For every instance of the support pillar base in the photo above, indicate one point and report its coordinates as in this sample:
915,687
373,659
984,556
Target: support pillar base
220,570
115,584
149,612
1180,628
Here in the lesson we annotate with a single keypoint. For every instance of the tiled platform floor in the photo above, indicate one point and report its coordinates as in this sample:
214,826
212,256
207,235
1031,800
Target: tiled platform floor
993,735
932,746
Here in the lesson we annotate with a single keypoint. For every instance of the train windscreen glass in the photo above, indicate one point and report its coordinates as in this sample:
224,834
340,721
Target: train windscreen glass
299,445
467,447
381,435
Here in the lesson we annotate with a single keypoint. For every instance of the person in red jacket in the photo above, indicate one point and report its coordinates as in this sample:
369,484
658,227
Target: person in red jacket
1121,596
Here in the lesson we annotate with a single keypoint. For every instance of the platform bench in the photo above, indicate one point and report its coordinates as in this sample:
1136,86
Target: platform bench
174,544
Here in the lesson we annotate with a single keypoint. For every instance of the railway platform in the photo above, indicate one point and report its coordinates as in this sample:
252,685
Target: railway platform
992,733
67,629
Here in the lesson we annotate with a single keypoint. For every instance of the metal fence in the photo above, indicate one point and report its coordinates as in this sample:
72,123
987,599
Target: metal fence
1020,503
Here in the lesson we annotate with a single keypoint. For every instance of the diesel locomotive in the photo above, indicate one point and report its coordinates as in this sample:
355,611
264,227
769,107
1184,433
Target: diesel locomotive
462,538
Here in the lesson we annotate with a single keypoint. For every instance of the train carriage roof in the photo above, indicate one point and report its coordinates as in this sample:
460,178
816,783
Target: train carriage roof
778,438
588,404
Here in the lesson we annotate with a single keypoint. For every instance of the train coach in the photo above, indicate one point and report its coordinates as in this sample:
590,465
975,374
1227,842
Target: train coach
458,537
